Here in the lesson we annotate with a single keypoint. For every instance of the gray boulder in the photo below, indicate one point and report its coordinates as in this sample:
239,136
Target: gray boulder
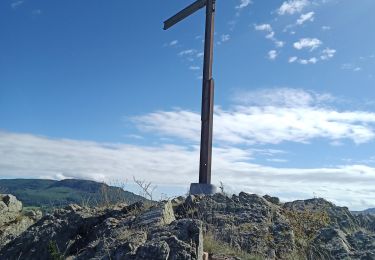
13,221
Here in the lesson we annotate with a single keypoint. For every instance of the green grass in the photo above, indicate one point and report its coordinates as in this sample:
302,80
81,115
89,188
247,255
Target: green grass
212,245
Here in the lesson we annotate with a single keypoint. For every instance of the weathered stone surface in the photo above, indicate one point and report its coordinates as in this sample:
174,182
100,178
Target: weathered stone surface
132,232
12,220
263,226
247,224
9,208
13,205
161,214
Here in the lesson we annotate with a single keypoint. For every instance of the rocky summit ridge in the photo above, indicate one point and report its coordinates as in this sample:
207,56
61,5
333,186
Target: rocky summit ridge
244,226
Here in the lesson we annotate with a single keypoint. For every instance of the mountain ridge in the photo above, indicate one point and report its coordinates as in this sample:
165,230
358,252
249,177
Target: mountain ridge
51,193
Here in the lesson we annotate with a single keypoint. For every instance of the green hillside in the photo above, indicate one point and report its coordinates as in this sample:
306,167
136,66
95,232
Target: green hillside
51,193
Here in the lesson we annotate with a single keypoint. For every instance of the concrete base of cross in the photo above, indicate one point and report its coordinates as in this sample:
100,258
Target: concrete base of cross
202,189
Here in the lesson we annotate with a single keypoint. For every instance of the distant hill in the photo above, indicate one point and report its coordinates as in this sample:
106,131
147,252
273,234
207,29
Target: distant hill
51,193
370,211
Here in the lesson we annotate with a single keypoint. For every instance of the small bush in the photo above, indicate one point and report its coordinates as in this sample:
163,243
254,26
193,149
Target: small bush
213,245
306,224
54,251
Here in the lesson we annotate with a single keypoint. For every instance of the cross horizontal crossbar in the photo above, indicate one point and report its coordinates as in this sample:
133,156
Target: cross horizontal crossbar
184,13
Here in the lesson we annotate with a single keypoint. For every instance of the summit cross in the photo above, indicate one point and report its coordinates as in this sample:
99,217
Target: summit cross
204,186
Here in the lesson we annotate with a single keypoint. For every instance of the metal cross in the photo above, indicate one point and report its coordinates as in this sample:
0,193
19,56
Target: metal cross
208,83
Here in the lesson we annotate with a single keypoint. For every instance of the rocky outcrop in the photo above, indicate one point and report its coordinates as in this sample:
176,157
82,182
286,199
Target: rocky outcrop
246,222
244,226
262,226
132,232
12,220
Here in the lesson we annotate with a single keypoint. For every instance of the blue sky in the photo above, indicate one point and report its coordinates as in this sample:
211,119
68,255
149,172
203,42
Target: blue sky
96,89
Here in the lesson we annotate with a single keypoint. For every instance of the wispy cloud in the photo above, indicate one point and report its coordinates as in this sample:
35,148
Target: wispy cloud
272,54
173,43
312,60
307,43
243,4
350,66
292,6
293,59
225,37
270,34
287,115
306,17
276,160
194,68
187,52
36,12
300,21
263,27
16,4
328,54
325,55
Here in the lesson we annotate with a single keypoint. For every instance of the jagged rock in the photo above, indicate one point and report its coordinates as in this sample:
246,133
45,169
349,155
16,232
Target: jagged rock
331,244
158,250
271,199
10,207
340,217
12,220
262,226
367,221
11,202
246,225
161,214
247,222
132,232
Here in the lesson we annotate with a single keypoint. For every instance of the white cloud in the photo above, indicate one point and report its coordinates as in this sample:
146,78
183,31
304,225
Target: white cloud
327,54
194,68
293,59
187,52
276,160
300,21
284,97
312,60
263,27
272,54
243,4
307,43
225,37
200,54
26,155
279,44
280,115
350,66
326,28
292,6
36,12
16,4
173,43
270,34
306,17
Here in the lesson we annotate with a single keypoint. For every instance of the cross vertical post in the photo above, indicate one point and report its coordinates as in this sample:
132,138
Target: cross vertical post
207,98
